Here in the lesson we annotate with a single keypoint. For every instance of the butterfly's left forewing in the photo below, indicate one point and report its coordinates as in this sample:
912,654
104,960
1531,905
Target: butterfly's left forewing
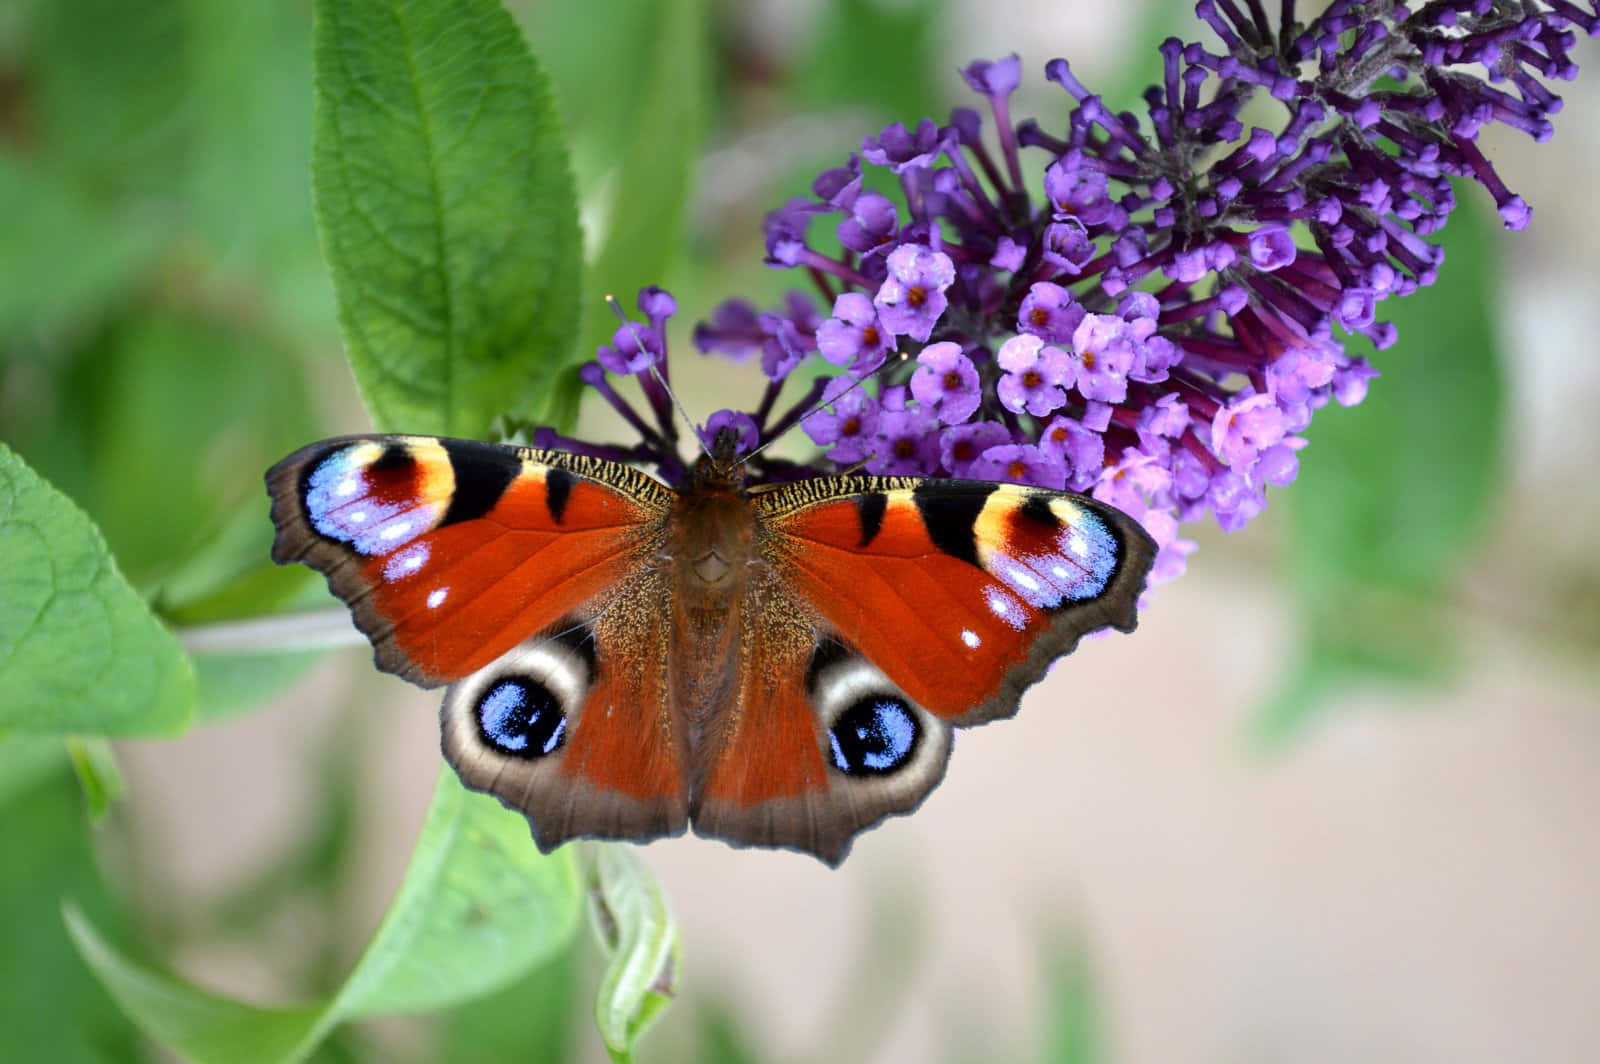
929,604
451,552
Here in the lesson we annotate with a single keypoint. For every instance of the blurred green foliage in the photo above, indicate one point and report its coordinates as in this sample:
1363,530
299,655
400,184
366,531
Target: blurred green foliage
168,329
1394,492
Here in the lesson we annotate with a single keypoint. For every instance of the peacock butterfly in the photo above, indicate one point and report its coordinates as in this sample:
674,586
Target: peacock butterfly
779,665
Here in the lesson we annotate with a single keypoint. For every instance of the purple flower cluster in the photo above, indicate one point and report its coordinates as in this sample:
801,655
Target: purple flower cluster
1155,324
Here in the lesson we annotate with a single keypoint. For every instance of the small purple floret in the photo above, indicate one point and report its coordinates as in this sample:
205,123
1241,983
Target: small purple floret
911,299
946,382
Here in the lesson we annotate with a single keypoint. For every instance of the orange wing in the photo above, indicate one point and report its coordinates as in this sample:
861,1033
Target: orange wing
451,552
962,592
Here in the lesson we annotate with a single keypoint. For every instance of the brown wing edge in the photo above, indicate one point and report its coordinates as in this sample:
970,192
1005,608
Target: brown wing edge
795,824
1117,607
584,812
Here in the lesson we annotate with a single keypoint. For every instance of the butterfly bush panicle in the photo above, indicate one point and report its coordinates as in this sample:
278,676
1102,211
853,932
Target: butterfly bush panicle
1155,322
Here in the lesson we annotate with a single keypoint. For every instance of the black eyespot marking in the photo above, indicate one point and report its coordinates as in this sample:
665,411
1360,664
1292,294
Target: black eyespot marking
1037,508
558,489
482,474
875,736
950,511
522,717
871,507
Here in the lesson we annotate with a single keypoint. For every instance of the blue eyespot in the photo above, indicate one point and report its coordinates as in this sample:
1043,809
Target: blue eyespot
522,717
874,736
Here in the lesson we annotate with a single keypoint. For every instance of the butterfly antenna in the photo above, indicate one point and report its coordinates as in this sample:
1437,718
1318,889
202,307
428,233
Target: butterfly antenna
622,316
893,360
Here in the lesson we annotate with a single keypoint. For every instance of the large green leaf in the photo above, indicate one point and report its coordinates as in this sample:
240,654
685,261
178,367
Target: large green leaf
479,907
446,210
1392,493
79,651
530,1021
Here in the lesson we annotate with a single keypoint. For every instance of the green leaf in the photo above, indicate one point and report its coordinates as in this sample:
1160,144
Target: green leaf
161,429
65,258
231,575
636,928
479,907
51,1009
201,1026
252,139
877,55
446,210
25,760
1393,493
529,1021
113,97
79,651
252,145
643,217
98,773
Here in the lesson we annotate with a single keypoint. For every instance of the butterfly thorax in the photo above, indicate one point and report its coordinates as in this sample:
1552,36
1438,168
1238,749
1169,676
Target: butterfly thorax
711,544
712,529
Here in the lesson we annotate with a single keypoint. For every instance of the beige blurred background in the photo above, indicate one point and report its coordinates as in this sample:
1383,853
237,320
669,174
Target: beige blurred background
1416,879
